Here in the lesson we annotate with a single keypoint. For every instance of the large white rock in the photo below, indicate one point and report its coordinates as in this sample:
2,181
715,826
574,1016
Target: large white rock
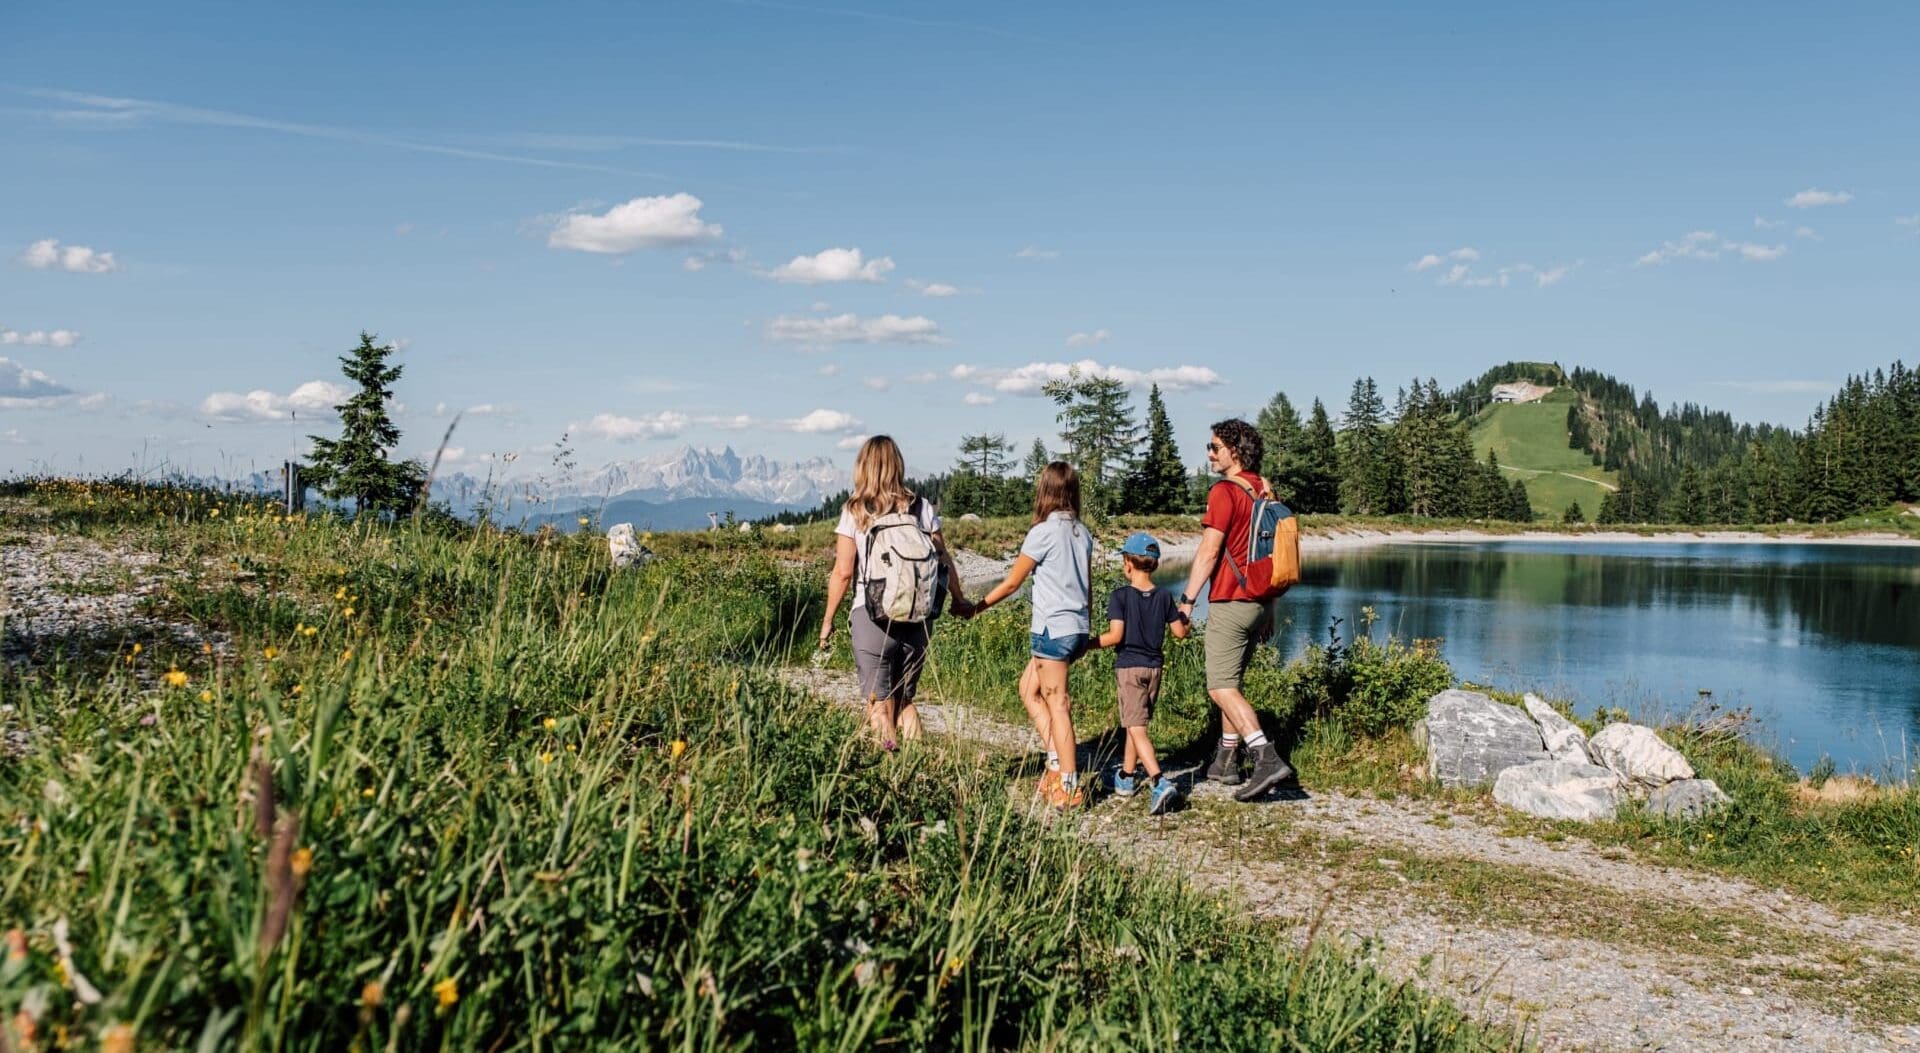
1554,789
1564,739
1469,738
1687,799
625,548
1639,755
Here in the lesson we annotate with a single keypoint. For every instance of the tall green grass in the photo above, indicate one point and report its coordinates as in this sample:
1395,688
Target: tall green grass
469,790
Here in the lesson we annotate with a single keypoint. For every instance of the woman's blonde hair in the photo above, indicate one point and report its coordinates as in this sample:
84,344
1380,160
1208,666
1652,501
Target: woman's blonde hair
1057,491
879,481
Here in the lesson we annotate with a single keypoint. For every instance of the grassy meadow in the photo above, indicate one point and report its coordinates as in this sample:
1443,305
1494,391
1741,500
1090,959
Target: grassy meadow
448,788
1531,441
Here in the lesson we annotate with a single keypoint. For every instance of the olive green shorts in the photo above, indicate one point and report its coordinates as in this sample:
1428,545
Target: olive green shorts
1235,629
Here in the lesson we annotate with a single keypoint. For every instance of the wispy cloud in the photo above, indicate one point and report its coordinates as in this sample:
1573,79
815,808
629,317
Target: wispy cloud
935,289
1093,339
1707,245
18,382
1463,270
107,111
1763,223
48,254
1031,378
39,337
1464,254
853,329
642,223
833,265
1813,197
1910,224
1035,252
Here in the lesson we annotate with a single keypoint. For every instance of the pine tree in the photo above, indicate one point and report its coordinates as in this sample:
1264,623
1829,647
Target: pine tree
985,455
1282,437
1317,478
1096,423
1037,460
355,465
1519,504
1367,471
1158,484
1573,514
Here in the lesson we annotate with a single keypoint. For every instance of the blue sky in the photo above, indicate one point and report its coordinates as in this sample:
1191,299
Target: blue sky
636,222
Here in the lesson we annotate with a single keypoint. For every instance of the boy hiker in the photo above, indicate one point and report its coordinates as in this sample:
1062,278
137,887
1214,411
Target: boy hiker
1138,614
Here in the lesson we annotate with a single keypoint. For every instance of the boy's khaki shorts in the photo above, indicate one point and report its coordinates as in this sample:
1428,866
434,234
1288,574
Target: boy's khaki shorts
1139,690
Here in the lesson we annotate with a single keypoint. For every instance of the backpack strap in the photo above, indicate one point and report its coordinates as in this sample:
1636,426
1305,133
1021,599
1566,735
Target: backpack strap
1226,549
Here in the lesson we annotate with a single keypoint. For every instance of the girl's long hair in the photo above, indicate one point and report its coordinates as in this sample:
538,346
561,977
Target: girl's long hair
1057,491
879,481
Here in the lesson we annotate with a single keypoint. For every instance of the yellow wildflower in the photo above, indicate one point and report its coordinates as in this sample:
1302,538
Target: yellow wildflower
214,513
549,723
206,648
176,678
302,861
297,689
311,631
117,1039
546,756
137,648
584,520
679,746
372,995
368,792
346,654
447,992
270,653
340,593
348,612
206,696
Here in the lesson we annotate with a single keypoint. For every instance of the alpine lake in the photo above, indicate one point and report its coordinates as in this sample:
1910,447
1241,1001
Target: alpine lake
1820,642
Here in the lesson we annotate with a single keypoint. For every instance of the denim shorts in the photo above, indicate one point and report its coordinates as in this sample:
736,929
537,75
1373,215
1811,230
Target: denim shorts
1053,648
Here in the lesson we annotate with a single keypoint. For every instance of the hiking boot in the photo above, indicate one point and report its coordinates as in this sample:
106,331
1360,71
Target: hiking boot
1225,768
1122,783
1268,771
1162,797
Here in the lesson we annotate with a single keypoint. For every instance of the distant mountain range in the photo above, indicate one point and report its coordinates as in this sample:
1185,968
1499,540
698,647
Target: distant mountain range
674,491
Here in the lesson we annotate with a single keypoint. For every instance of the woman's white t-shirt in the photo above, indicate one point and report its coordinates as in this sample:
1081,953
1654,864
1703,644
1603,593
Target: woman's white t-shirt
929,522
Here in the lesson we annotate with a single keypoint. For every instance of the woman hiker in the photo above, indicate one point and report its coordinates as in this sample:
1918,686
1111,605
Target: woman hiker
888,657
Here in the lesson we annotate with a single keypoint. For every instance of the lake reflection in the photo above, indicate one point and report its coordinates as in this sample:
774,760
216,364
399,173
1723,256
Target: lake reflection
1822,641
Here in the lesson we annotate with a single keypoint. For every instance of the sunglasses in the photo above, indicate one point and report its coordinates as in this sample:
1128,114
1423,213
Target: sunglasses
1214,447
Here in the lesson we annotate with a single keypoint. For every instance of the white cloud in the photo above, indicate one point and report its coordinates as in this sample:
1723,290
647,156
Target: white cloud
49,254
1098,336
663,425
1035,252
12,437
1463,254
1763,223
1032,377
1806,232
820,307
693,263
833,265
314,398
935,289
852,442
19,382
448,455
643,223
978,398
831,369
40,337
877,383
1910,223
1552,275
670,423
1707,245
852,329
1814,198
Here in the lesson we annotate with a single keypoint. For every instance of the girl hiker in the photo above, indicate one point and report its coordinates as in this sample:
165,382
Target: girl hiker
1058,553
888,652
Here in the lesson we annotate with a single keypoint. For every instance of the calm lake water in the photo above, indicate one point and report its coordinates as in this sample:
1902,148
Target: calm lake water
1821,641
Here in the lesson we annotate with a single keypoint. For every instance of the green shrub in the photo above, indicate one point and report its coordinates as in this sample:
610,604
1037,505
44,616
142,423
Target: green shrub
1367,686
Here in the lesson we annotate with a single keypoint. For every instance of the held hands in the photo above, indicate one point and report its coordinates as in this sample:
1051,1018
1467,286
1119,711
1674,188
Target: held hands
962,608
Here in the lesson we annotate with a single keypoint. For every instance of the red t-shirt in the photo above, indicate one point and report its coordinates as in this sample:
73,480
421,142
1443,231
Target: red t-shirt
1230,511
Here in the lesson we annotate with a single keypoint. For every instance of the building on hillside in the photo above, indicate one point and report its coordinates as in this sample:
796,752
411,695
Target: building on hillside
1519,391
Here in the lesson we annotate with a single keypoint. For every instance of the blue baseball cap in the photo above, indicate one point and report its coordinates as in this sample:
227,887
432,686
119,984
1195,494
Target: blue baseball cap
1141,544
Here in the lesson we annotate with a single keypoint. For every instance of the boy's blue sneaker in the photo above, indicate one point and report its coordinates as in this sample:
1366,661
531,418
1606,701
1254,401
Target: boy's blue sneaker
1122,784
1163,797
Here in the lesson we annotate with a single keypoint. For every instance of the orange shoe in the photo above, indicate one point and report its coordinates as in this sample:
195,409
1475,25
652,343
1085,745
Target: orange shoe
1064,800
1048,785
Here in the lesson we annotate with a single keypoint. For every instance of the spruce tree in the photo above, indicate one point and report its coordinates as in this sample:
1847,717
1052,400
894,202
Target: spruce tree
1573,514
355,465
978,477
1282,437
1037,460
1367,471
1158,485
1317,479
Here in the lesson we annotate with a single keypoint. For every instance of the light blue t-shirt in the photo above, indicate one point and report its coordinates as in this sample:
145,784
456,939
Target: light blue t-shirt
1062,593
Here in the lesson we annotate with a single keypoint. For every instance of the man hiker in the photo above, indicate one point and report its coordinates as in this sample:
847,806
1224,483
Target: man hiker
1237,622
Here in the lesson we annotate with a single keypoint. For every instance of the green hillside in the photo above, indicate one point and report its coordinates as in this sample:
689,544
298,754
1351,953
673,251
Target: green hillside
1530,440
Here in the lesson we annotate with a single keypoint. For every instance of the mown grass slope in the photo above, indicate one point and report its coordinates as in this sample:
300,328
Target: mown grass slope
1530,439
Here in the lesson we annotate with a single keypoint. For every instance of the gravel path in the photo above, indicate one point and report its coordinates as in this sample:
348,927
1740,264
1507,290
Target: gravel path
1788,975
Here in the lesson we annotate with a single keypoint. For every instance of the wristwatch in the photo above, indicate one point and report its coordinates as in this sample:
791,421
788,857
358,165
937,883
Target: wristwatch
1188,601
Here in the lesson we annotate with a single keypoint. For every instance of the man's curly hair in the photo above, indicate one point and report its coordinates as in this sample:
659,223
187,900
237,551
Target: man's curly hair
1245,442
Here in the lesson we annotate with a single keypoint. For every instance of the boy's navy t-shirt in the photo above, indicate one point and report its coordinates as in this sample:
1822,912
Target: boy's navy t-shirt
1147,615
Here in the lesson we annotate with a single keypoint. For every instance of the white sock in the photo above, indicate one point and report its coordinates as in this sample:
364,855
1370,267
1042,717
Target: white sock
1256,740
1229,741
1053,760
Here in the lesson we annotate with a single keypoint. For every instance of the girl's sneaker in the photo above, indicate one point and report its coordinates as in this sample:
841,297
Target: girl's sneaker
1163,796
1122,784
1049,782
1065,800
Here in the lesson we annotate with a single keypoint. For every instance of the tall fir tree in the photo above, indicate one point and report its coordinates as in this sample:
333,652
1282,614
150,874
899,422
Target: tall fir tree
1037,460
1282,437
1158,484
355,466
1367,469
978,483
1317,479
985,454
1102,439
